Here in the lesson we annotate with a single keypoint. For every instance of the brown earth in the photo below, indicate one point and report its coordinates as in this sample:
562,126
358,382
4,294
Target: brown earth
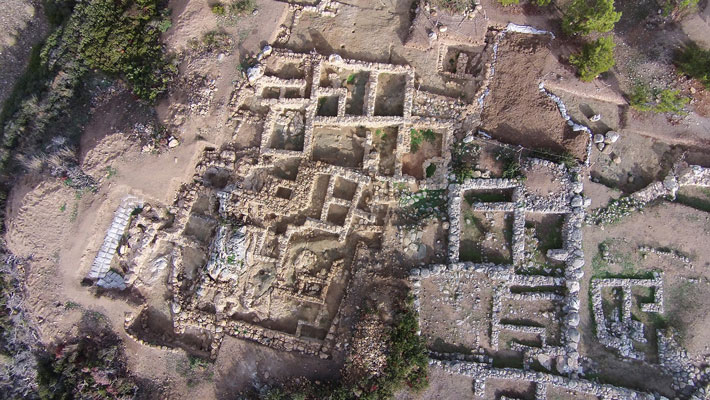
516,111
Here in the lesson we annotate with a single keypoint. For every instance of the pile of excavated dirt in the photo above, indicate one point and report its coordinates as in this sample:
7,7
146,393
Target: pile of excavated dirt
516,111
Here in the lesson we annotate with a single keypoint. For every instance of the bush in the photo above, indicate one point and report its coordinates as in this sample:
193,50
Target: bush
242,7
508,2
676,9
464,156
511,166
587,16
216,41
695,62
121,38
596,57
218,9
90,366
418,136
643,98
455,6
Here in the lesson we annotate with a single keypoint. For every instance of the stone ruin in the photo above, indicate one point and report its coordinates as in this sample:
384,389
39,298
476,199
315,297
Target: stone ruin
101,272
264,238
620,330
287,222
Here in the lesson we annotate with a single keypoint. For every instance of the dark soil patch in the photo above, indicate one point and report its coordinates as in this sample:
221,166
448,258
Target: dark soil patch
516,111
389,100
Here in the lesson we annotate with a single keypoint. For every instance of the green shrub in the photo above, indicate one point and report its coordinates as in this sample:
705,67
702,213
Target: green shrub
121,38
596,57
695,62
164,25
541,3
216,40
418,136
430,170
242,7
513,170
587,16
511,166
508,2
644,98
454,6
89,367
464,157
671,101
218,9
675,9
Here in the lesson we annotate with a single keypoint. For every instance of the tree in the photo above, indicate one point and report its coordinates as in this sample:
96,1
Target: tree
596,57
695,62
586,16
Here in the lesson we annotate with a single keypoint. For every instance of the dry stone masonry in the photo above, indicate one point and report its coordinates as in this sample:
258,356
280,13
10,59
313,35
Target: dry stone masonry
101,268
264,240
620,330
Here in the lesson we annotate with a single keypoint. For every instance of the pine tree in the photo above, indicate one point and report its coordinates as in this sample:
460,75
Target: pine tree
586,16
596,57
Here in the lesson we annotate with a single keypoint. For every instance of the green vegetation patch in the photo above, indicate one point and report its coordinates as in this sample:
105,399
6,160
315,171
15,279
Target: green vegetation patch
511,164
596,58
645,98
122,39
90,366
676,9
587,16
423,204
695,62
118,38
455,6
242,7
420,135
464,156
609,254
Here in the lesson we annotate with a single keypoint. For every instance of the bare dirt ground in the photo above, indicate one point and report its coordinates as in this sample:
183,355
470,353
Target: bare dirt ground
515,98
